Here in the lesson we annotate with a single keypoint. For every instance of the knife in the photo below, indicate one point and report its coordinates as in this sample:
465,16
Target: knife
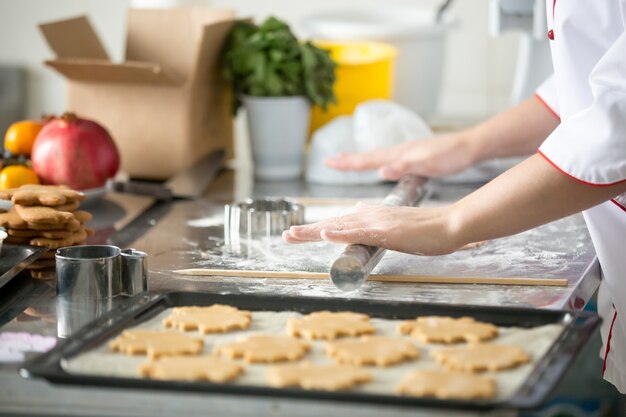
187,184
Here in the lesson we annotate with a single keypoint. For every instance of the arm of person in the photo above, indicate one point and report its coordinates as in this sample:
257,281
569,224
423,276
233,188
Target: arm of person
528,195
515,132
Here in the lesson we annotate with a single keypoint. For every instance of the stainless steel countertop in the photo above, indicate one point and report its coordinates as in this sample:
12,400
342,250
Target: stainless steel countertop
31,306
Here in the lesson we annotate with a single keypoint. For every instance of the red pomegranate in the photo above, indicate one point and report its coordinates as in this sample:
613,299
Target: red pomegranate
75,152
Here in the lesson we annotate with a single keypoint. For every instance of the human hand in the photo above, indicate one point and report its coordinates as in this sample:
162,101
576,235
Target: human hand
421,231
433,157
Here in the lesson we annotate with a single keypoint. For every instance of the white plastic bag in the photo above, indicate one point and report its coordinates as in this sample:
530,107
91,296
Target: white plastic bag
375,124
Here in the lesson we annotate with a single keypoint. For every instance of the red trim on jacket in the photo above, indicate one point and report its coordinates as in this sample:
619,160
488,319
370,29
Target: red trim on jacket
578,179
608,343
547,106
618,204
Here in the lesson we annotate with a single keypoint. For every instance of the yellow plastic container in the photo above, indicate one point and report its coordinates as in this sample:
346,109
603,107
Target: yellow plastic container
364,72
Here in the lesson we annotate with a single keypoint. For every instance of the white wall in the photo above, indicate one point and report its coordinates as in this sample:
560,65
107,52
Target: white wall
477,79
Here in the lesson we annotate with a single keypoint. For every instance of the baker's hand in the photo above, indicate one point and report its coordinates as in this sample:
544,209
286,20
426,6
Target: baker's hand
421,231
433,157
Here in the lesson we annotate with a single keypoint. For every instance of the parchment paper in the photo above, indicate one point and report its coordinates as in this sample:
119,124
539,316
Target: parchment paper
536,341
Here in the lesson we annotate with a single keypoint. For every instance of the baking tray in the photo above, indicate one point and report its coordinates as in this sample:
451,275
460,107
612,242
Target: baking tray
14,258
547,372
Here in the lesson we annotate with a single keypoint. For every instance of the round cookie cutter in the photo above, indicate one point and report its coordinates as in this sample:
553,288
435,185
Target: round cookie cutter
256,218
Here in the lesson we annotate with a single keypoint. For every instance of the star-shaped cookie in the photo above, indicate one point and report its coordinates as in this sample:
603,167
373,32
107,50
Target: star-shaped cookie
265,349
191,368
330,325
217,318
317,377
155,343
372,350
436,329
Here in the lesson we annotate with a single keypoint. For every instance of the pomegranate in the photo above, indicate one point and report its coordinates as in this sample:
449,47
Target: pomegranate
75,152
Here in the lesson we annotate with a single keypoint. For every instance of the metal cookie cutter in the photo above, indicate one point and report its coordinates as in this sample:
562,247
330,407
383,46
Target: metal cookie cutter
100,271
260,218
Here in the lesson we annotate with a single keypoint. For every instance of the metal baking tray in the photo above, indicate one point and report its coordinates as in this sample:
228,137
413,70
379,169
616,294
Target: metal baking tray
14,258
578,327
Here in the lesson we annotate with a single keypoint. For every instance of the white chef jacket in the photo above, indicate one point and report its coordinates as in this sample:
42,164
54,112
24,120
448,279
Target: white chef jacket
588,93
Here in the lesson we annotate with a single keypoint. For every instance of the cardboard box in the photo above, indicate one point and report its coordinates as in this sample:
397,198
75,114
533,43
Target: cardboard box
166,106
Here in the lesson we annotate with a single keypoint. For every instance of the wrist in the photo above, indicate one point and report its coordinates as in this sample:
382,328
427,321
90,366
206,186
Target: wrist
456,229
469,140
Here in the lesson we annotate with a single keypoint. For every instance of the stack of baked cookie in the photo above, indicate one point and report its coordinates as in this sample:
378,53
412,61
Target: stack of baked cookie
45,215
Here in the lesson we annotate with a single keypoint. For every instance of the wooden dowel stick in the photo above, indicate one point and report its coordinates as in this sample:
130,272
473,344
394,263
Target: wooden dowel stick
553,282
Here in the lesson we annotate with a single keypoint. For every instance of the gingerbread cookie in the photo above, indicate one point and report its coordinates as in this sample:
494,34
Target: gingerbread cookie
68,207
155,343
45,195
191,368
330,325
76,237
42,264
265,349
49,234
82,216
15,240
44,274
446,385
72,226
51,254
317,377
12,220
481,357
43,215
435,329
217,318
372,350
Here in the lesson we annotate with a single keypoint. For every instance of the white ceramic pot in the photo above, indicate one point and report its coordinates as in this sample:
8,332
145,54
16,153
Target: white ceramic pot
278,128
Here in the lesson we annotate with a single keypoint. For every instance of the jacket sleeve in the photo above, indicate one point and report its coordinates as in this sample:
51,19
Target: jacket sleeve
590,145
546,93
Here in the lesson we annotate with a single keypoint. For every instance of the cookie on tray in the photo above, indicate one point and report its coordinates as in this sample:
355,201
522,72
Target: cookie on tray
156,343
372,350
311,376
191,368
330,325
481,357
217,318
265,349
447,385
438,329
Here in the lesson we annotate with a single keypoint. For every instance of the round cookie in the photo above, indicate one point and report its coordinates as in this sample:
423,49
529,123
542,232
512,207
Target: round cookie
265,349
330,325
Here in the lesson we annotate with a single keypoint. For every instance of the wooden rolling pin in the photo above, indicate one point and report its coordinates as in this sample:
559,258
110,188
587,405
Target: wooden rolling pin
552,282
352,268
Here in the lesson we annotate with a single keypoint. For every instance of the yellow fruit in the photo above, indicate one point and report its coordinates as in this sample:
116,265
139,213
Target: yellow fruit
15,176
21,136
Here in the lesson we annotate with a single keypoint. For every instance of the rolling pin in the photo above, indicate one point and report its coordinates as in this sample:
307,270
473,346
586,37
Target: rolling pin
352,268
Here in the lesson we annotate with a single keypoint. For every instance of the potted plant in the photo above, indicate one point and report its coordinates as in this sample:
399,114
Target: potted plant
277,78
